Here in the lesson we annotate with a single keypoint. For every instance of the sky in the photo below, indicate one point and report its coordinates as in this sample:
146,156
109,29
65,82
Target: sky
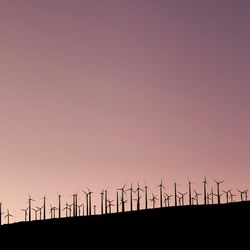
101,93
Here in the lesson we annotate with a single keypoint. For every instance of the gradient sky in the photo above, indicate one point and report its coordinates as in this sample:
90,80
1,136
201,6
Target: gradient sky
98,93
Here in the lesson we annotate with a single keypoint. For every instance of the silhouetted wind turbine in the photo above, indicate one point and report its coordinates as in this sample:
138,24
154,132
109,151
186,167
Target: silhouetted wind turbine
74,204
106,201
30,200
168,199
122,198
70,209
90,206
44,207
212,195
153,200
117,202
146,196
205,190
8,215
227,194
232,197
35,210
218,189
182,197
131,196
196,197
40,212
245,192
123,203
53,211
79,209
102,194
190,192
241,194
165,200
59,205
161,187
175,194
1,213
67,208
110,205
87,202
138,202
138,195
25,213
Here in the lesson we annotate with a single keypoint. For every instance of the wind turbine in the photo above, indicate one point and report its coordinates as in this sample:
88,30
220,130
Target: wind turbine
131,196
138,202
241,194
59,205
179,200
190,192
76,204
87,202
175,194
122,198
161,187
168,199
25,213
53,211
102,193
1,213
138,195
90,206
35,210
212,196
245,192
205,190
40,212
182,197
79,209
196,197
146,196
117,202
106,201
110,205
232,197
227,194
44,207
123,203
70,209
153,200
218,189
165,200
29,202
66,208
8,215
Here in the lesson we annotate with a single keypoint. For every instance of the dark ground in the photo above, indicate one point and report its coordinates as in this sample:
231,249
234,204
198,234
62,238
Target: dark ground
175,227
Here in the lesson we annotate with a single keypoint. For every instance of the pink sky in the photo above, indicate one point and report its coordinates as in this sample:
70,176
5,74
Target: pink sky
98,93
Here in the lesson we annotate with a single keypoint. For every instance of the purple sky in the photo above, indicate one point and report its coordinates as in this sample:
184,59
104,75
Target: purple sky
98,93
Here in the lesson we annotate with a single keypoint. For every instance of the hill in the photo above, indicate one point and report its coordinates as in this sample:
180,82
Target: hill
173,225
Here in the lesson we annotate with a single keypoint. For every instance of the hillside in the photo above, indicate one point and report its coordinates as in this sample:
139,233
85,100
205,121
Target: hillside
185,223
